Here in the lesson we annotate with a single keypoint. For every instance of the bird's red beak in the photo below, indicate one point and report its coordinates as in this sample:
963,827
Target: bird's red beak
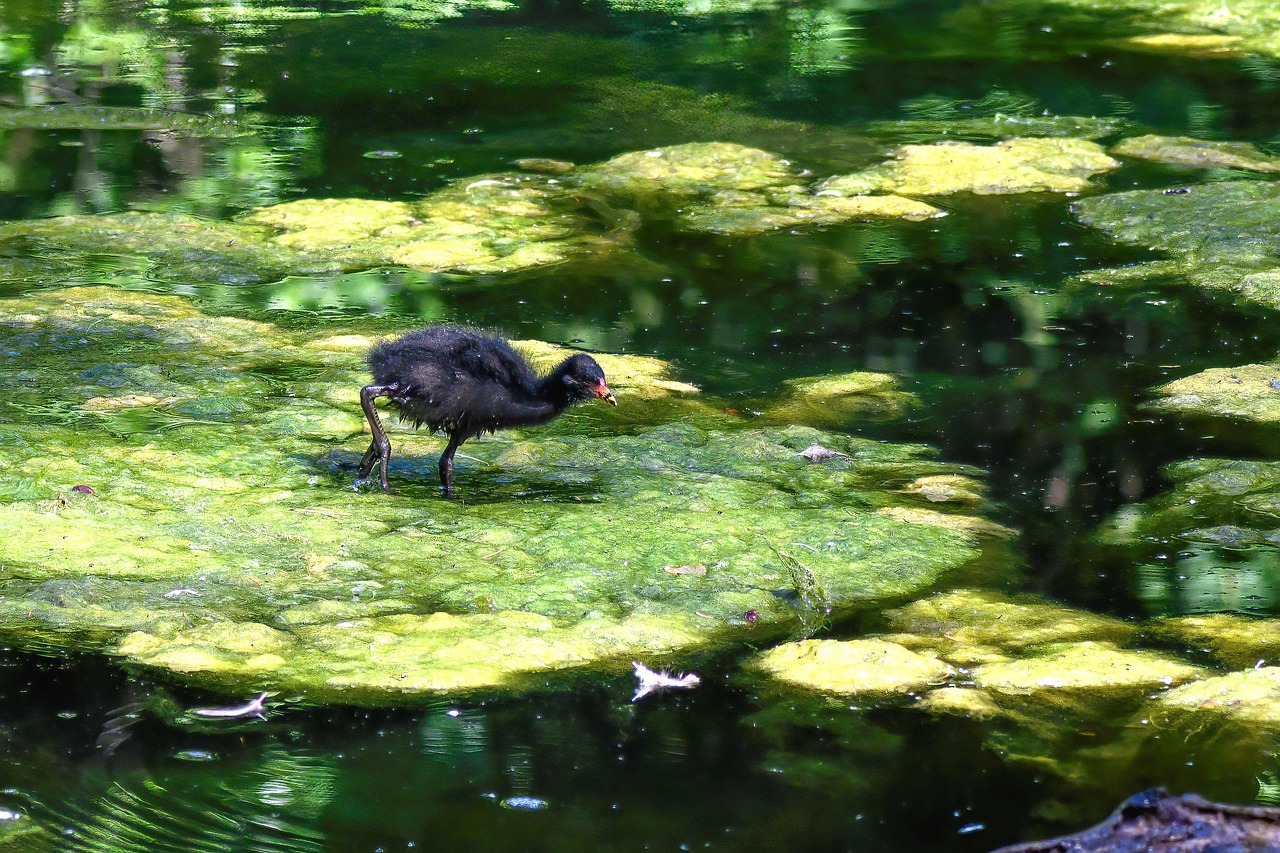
603,392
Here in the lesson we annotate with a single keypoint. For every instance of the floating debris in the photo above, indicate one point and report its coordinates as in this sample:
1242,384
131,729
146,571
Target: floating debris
654,682
817,454
253,708
528,804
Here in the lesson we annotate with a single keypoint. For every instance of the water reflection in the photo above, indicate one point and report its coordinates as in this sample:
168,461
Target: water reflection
1212,579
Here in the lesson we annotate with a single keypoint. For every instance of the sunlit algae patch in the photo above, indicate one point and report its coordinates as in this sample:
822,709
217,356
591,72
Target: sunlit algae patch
1221,236
512,221
215,535
1039,673
1196,153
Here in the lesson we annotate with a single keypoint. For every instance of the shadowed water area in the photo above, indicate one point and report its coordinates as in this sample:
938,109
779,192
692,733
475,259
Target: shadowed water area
945,451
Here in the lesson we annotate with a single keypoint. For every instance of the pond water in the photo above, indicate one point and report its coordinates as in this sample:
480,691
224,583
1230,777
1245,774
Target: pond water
1036,378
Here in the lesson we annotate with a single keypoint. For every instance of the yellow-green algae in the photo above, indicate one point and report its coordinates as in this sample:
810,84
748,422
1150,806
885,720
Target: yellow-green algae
1192,27
1058,689
1250,392
1224,237
1238,642
1019,165
948,488
852,667
1250,696
732,189
838,401
222,542
502,222
1088,665
967,624
1198,153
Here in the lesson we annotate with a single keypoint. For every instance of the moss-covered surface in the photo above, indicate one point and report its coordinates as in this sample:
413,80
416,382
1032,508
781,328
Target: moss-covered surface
838,401
1219,236
1019,165
1060,690
731,189
1197,153
218,537
1235,641
969,626
503,222
1086,665
1192,27
1250,392
494,223
853,667
1252,695
999,648
1057,688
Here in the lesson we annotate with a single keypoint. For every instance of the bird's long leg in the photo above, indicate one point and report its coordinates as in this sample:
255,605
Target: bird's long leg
380,447
446,463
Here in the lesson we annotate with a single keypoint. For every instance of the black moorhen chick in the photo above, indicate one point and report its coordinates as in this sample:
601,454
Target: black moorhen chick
466,383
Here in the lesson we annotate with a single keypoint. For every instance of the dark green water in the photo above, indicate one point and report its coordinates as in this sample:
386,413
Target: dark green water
970,310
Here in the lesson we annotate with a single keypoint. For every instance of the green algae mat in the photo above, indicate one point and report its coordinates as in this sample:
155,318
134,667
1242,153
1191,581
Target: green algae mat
552,213
179,495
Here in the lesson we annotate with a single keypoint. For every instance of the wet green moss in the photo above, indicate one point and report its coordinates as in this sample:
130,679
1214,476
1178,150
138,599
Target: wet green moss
1220,236
1236,641
1019,165
1197,153
852,667
1250,392
222,542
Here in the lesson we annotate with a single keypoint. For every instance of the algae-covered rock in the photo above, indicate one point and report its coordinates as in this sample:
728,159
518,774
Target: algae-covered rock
965,620
217,537
730,189
752,213
838,400
177,247
1197,153
1190,27
1250,696
852,667
1250,392
494,223
1013,166
1083,666
688,171
947,488
1220,236
1227,502
1236,641
491,223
